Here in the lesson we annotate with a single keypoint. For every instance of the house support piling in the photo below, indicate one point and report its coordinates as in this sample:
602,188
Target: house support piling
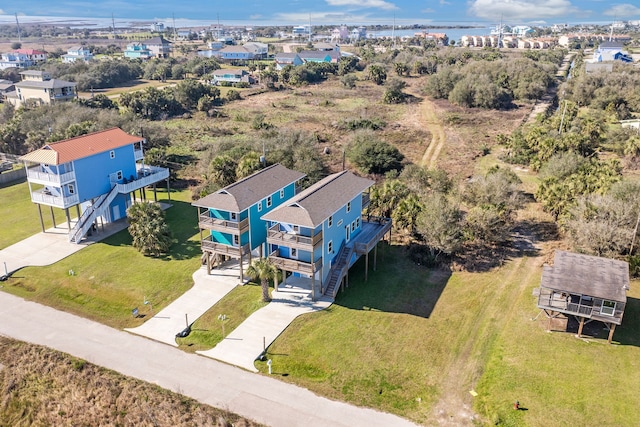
40,216
66,212
611,329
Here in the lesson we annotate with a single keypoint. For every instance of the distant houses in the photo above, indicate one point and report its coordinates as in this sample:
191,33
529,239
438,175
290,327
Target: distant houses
15,60
155,47
77,53
232,76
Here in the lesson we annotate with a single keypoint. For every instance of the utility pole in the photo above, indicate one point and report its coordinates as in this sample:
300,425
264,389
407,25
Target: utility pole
18,24
175,34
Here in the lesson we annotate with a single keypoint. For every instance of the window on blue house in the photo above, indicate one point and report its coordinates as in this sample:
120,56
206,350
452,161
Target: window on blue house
260,206
71,188
330,221
330,247
269,201
233,216
353,226
282,194
236,239
112,154
348,207
357,222
119,175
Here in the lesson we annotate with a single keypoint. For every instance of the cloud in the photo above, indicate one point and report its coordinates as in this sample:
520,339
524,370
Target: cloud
428,10
522,9
363,4
623,11
2,12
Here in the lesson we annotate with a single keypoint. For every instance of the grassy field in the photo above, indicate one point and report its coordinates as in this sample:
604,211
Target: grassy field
414,342
237,305
17,208
111,277
43,387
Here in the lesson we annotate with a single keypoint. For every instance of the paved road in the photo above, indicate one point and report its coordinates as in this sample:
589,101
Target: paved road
257,397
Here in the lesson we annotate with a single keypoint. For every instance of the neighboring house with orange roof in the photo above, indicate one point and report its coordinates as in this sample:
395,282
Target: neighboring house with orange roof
97,173
33,54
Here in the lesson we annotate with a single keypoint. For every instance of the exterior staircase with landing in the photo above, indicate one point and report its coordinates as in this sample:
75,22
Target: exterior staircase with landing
339,270
90,214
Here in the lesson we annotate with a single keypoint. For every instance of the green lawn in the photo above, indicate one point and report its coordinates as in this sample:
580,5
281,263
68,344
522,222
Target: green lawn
111,277
410,339
17,210
237,305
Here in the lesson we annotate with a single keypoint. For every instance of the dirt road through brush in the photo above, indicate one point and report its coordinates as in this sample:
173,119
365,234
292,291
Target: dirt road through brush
434,126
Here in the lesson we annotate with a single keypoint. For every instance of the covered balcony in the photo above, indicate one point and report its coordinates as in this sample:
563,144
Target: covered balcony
37,176
581,305
210,245
207,222
294,265
46,197
275,236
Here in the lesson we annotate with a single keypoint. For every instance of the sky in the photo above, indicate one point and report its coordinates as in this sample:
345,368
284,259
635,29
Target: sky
350,12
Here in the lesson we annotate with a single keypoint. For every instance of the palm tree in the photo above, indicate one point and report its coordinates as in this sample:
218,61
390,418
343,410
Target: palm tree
148,228
264,270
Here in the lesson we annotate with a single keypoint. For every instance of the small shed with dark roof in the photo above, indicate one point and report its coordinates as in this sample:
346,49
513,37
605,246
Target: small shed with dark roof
586,287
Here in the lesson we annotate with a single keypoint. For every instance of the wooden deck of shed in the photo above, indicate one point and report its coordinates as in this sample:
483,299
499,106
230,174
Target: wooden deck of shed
586,287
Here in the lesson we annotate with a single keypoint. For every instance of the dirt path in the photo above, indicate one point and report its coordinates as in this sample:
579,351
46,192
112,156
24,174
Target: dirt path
438,138
476,338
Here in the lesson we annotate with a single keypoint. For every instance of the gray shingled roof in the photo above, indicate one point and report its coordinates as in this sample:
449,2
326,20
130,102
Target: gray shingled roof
156,41
250,190
587,275
49,84
318,202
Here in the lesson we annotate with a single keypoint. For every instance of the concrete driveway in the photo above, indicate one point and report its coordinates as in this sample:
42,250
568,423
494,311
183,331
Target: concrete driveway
206,291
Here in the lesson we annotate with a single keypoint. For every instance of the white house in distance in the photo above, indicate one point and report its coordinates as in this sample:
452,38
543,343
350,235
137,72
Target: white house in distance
15,60
77,53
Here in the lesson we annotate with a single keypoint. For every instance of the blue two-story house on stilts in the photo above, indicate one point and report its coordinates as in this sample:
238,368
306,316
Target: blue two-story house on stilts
229,219
321,233
97,173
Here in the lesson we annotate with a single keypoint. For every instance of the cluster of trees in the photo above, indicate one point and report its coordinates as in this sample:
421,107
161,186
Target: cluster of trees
25,130
586,193
617,93
492,84
96,74
370,154
159,104
426,204
232,158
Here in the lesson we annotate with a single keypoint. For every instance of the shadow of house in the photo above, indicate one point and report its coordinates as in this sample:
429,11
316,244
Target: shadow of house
398,286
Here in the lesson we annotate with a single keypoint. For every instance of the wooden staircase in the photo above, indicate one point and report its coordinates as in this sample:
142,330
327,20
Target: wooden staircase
339,270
